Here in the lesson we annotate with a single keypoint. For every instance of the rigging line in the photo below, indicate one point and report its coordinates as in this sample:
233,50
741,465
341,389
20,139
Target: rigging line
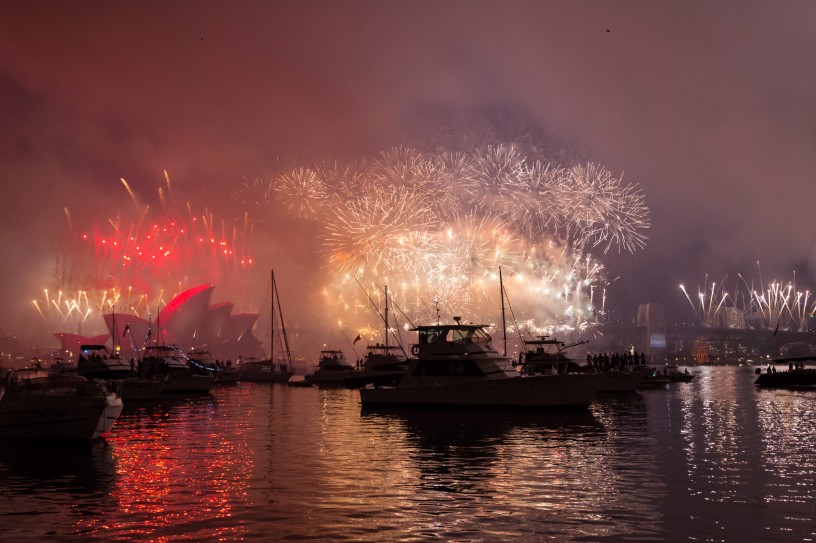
396,337
401,311
356,356
513,316
377,309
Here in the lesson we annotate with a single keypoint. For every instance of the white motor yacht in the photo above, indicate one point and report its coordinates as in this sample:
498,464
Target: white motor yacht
43,404
455,365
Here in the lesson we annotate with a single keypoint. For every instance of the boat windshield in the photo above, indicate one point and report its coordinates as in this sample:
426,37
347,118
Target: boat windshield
454,334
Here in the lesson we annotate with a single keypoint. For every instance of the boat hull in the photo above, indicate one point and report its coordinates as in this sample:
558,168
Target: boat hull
621,381
796,379
141,390
322,377
113,409
263,374
188,384
572,391
54,418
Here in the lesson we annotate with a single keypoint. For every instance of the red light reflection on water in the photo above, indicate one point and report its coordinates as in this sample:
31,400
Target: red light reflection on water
180,474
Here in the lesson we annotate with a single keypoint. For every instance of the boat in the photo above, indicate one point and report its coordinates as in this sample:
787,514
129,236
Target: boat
271,370
798,375
677,376
455,365
254,370
47,404
95,362
652,380
332,369
224,373
546,355
168,364
383,364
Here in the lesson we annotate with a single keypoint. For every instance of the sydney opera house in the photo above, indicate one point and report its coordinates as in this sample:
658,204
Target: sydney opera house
189,321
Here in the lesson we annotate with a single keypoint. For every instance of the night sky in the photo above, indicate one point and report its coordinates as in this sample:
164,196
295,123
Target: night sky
710,107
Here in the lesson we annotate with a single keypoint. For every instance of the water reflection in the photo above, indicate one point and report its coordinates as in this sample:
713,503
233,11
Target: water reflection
714,459
182,469
61,484
726,445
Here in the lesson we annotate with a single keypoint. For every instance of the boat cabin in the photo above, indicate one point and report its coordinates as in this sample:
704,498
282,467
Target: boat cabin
545,356
451,339
332,360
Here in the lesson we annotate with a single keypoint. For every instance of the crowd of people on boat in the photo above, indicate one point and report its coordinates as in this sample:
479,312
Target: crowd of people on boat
617,361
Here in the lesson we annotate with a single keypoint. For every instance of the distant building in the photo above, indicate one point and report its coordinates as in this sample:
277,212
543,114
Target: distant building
652,318
189,321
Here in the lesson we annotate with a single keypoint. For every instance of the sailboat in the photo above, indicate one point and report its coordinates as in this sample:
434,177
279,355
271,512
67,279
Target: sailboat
271,370
384,364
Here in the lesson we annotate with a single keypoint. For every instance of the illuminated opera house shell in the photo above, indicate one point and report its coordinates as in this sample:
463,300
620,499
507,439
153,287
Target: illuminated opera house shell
188,321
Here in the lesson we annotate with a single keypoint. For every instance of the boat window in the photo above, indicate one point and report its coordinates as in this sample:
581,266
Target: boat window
457,335
429,336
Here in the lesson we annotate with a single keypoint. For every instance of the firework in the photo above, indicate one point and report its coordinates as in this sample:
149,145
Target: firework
437,227
135,261
380,232
303,192
777,306
597,209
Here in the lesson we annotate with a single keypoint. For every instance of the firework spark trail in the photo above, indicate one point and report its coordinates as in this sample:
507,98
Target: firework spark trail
382,232
596,209
495,176
779,305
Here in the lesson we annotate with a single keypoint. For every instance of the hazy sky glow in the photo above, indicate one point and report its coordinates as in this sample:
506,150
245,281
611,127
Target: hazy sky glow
709,108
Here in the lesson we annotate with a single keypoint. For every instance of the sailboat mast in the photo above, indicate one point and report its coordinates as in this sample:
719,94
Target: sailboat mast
276,296
272,319
504,323
113,325
386,315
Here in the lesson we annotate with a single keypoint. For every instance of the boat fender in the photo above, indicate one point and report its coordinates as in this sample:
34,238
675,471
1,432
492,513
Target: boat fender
415,350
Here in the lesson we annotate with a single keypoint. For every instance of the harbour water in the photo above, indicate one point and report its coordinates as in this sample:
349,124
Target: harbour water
711,460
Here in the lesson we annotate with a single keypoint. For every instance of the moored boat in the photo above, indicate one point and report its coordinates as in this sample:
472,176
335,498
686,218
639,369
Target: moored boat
264,371
677,376
797,376
455,365
42,404
382,365
546,355
271,370
332,369
652,380
224,373
96,363
167,364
